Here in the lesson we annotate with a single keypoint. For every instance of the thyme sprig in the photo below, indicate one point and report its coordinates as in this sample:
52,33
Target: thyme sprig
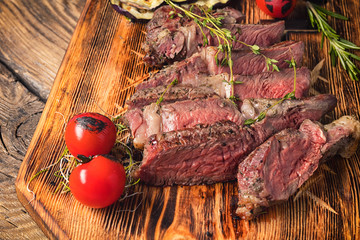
339,47
161,98
270,62
214,25
290,95
224,36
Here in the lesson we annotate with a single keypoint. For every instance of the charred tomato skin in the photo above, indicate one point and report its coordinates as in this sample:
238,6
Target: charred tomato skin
98,183
276,8
89,134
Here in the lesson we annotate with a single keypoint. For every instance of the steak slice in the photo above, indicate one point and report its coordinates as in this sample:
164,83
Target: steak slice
263,85
155,119
276,169
245,63
175,93
273,84
163,18
210,153
172,38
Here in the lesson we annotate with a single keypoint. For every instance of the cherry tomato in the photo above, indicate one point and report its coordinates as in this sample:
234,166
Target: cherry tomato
98,183
90,134
276,8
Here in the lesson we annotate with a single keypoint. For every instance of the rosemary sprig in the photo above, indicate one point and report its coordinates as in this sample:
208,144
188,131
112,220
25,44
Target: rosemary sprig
290,95
161,98
339,47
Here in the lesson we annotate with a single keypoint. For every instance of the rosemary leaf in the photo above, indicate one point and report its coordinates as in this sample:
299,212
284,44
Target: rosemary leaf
339,47
329,13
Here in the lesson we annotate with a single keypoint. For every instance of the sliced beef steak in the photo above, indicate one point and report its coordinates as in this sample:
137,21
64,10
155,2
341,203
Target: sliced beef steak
273,84
245,63
185,70
163,18
174,38
276,169
175,93
155,119
210,153
263,85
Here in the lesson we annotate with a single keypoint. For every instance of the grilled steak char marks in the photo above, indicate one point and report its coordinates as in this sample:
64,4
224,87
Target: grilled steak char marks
263,85
276,169
245,63
171,38
210,153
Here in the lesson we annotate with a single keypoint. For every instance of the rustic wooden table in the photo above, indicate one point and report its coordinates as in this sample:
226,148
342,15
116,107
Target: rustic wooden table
34,36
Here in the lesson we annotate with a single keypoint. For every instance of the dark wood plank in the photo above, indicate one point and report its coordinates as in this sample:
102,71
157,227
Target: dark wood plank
20,112
34,36
96,76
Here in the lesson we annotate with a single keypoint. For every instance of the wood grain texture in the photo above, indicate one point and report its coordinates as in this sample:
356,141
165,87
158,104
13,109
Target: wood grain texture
20,112
34,36
97,74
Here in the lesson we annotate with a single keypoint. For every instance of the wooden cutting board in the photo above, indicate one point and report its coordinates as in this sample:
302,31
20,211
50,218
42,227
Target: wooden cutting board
98,73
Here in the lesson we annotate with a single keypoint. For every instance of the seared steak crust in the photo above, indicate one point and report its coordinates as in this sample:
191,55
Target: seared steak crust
263,85
156,119
171,38
176,93
276,169
244,63
211,153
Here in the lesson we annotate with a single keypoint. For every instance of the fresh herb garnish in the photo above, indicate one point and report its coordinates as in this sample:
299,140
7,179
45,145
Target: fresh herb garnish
161,98
224,36
290,95
339,47
63,173
270,62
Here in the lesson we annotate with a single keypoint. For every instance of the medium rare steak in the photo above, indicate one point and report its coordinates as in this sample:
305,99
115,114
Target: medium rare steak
276,169
155,120
163,18
273,84
245,63
263,85
171,38
176,93
210,153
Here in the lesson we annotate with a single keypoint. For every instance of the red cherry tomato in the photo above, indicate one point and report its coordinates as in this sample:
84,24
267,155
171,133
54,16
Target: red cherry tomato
90,134
276,8
98,183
